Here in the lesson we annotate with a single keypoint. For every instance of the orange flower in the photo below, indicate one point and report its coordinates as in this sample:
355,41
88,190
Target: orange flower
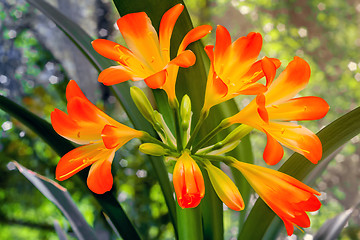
289,198
225,188
148,56
233,69
188,182
102,136
271,112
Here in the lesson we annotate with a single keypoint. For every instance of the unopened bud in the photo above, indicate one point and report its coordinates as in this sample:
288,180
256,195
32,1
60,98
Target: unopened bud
185,112
152,149
237,134
142,103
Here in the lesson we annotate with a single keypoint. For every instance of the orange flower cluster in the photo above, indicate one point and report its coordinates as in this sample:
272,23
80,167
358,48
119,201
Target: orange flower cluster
234,71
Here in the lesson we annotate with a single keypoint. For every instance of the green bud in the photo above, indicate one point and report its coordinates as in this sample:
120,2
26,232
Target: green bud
185,112
152,149
142,103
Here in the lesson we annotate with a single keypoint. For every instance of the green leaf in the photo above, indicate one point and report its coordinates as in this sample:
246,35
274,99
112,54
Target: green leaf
121,91
61,198
332,137
61,234
61,146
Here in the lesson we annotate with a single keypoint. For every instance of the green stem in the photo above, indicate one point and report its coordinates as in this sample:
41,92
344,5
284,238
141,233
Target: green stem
175,107
203,116
224,124
189,223
148,138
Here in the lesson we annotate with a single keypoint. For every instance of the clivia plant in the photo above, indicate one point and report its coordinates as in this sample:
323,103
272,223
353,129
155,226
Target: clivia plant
178,131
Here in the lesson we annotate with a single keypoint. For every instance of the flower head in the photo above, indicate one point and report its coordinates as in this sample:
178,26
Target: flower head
101,136
289,198
188,182
234,69
148,56
271,112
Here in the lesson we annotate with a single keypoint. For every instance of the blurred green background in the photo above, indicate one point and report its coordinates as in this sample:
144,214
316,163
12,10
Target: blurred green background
37,60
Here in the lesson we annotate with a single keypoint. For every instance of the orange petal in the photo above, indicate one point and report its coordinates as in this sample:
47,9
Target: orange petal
269,69
297,138
116,137
223,41
252,89
66,127
73,90
114,75
166,28
107,49
156,80
256,72
273,152
194,35
209,49
100,179
76,160
84,112
293,79
141,37
260,101
298,109
185,59
220,87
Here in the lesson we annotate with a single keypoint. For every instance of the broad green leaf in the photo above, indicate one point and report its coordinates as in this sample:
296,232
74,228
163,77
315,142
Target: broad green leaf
333,227
332,137
61,198
61,146
121,91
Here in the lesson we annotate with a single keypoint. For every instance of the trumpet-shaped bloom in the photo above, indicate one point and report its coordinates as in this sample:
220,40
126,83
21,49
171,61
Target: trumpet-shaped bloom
271,112
101,136
234,69
148,56
188,182
289,198
225,188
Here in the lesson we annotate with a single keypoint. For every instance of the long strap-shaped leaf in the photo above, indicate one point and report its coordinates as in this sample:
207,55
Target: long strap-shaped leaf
332,137
61,146
61,198
83,41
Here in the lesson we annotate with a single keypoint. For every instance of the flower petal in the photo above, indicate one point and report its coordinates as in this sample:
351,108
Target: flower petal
141,38
117,136
260,101
297,138
273,152
114,75
194,35
269,69
209,49
223,41
166,28
156,80
77,159
185,59
100,179
73,90
292,80
107,49
252,89
219,86
298,109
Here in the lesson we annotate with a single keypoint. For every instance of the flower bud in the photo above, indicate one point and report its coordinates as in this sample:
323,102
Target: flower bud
188,182
225,188
142,103
152,149
185,112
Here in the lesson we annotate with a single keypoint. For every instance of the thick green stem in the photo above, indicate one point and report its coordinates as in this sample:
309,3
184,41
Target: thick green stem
203,116
189,223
